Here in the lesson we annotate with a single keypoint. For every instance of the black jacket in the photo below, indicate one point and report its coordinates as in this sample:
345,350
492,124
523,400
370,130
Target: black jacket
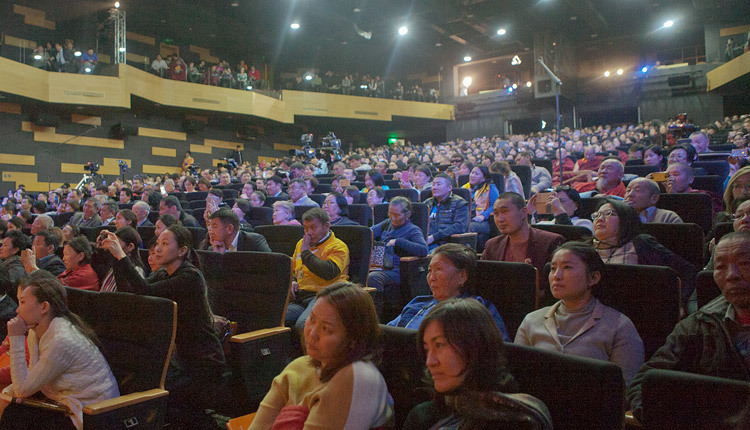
53,265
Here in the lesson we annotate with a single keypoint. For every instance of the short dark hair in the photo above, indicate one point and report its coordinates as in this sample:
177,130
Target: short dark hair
168,220
49,238
276,179
127,191
376,177
340,202
217,192
227,216
39,206
172,201
515,198
299,181
461,257
5,283
424,169
352,192
17,221
470,329
18,240
316,214
587,254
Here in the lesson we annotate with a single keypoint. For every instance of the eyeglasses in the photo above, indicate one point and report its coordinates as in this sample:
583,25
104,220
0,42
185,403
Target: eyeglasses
739,216
606,214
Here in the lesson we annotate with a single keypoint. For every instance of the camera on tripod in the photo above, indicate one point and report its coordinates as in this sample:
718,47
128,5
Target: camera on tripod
329,144
91,167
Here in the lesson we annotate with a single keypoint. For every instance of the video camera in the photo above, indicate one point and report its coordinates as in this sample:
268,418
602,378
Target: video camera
123,166
683,128
329,144
91,167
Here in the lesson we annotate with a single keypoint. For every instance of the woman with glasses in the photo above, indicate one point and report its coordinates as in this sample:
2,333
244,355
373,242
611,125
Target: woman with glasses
618,239
682,154
578,324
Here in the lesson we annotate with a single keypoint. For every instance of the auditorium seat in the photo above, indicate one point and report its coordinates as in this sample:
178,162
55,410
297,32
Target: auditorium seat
464,193
299,211
271,200
259,216
685,240
543,162
93,232
136,335
64,218
360,213
147,235
721,229
196,204
153,216
317,198
569,232
409,193
641,170
705,287
198,234
359,241
691,207
196,195
686,401
281,238
251,289
712,183
524,173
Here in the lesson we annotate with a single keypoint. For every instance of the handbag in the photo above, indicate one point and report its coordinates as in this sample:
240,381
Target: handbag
380,257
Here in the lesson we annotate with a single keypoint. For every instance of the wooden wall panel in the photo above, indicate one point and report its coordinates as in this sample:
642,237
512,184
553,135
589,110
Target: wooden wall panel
84,119
163,152
161,134
160,170
728,72
285,147
96,142
29,180
201,149
147,40
22,160
31,127
34,17
108,166
10,108
20,43
223,144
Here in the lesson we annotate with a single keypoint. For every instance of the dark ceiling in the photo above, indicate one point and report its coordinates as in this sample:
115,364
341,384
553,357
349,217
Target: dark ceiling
258,30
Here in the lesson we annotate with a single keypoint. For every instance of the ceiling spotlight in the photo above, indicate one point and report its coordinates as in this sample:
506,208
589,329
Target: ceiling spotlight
249,87
403,30
294,26
467,81
644,69
528,84
500,31
122,49
88,70
515,86
77,53
467,58
357,10
510,89
668,23
37,57
606,74
308,77
619,72
117,4
516,60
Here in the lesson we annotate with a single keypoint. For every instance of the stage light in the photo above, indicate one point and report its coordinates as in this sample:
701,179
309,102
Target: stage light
403,30
37,57
117,4
88,70
308,77
467,81
235,4
528,84
668,23
606,74
644,69
249,87
294,26
619,72
500,31
510,89
122,49
515,61
77,53
467,58
515,86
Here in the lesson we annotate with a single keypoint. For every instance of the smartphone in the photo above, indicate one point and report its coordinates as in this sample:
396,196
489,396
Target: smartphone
405,176
343,183
739,153
542,207
163,191
659,176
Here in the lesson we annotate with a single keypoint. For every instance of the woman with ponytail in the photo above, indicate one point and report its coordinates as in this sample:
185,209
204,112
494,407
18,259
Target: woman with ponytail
200,367
65,365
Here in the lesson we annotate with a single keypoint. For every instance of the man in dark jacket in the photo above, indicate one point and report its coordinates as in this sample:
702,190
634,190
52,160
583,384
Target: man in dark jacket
44,246
449,213
226,234
715,340
171,205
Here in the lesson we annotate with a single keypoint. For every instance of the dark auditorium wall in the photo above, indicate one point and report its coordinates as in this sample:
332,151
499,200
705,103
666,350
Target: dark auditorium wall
58,162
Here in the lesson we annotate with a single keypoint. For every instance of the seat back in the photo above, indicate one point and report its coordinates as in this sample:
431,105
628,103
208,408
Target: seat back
359,241
569,232
691,207
409,193
63,218
709,183
464,193
299,211
317,198
153,216
136,334
147,235
641,170
652,305
587,207
259,216
511,287
362,214
565,383
198,234
281,238
196,195
705,287
93,232
718,168
543,162
681,400
249,288
685,240
270,200
524,173
196,204
721,229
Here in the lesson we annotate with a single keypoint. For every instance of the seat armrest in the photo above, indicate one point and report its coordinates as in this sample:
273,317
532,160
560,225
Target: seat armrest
122,401
459,235
408,259
259,334
631,421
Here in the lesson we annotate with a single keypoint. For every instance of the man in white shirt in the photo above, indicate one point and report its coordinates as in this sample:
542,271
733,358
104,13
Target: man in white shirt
642,195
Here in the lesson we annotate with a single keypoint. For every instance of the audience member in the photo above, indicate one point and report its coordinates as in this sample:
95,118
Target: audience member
10,251
448,272
298,193
227,236
449,213
608,182
170,205
78,271
541,179
563,203
578,324
463,352
483,196
399,238
642,195
680,177
283,213
518,241
335,206
89,218
43,254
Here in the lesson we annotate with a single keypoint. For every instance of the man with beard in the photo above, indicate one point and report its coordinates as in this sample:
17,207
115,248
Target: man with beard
608,182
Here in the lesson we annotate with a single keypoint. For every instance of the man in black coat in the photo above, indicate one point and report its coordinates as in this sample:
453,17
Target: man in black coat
225,230
171,205
44,246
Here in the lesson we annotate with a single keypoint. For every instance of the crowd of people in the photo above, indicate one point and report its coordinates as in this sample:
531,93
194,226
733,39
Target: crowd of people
364,85
63,57
332,379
